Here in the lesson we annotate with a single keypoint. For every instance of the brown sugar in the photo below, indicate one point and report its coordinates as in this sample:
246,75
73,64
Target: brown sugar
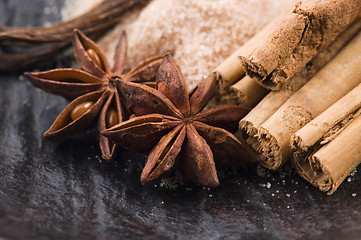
200,34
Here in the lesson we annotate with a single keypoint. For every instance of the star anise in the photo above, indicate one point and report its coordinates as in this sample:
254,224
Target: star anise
92,89
173,118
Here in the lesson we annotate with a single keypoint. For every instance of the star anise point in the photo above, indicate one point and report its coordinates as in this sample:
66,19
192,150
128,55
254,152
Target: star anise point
194,137
92,89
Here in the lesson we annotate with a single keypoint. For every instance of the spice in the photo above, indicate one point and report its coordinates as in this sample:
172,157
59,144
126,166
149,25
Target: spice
333,81
302,33
230,70
245,92
92,88
173,118
327,149
250,124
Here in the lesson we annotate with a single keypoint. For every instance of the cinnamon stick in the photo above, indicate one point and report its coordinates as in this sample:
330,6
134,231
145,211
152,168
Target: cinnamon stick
230,70
249,125
327,149
269,133
306,30
245,92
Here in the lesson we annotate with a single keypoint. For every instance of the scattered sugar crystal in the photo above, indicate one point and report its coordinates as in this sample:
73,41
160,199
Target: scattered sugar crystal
353,172
349,179
354,194
268,185
288,195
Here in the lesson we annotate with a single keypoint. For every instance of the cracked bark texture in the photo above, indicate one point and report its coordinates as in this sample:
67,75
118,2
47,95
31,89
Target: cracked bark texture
332,82
318,155
302,33
260,115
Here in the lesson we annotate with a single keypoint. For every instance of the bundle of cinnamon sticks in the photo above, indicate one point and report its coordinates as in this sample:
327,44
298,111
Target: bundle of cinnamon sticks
303,72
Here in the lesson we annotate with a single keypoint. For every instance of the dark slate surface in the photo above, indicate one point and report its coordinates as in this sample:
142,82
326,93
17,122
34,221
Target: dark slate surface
64,191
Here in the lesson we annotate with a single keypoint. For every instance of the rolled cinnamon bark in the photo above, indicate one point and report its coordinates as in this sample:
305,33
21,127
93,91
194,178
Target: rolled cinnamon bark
249,125
303,32
332,82
231,70
328,148
246,92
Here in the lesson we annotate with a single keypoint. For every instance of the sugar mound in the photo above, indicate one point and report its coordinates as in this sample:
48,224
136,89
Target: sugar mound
200,34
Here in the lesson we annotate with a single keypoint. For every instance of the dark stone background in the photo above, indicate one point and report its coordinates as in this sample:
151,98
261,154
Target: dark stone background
65,191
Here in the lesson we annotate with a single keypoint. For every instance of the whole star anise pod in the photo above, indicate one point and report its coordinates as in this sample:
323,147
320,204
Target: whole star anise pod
173,118
92,89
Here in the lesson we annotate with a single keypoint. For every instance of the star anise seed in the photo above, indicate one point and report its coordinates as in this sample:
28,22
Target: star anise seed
92,89
173,118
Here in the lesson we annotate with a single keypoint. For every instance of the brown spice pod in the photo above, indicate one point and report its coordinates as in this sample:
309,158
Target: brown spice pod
69,83
64,125
141,133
